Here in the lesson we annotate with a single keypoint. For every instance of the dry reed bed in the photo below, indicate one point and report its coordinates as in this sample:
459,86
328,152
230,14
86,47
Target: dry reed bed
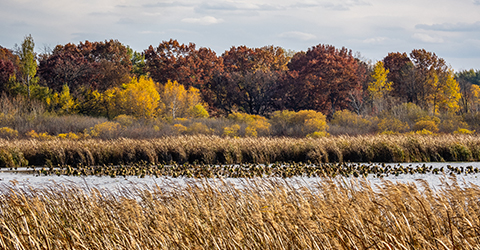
262,214
217,150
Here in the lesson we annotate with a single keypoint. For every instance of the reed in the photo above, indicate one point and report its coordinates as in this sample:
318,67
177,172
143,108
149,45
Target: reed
218,150
255,214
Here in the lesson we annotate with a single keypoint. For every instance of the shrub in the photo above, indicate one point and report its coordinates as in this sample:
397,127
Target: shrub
346,122
231,131
8,133
301,123
69,135
393,125
408,112
179,128
198,111
40,136
424,132
199,128
106,130
125,120
451,123
427,122
256,124
464,131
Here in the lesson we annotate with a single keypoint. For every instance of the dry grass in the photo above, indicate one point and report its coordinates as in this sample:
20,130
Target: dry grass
217,150
262,214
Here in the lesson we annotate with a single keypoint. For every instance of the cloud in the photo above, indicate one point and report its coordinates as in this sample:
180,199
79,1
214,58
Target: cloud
453,27
375,40
207,20
298,35
166,4
476,2
427,38
235,6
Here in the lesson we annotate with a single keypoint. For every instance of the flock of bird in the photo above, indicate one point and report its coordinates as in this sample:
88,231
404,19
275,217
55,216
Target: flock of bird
283,170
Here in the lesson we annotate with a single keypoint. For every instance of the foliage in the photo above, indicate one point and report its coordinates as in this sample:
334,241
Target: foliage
28,62
307,121
39,136
322,78
6,132
63,103
464,131
255,124
231,131
69,136
138,98
393,125
348,119
380,87
105,130
179,102
427,123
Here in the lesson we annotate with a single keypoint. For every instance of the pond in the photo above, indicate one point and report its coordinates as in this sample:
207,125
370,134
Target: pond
22,177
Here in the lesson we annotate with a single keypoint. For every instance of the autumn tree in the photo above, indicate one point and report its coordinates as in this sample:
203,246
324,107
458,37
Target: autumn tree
95,65
138,98
28,62
243,59
111,60
380,87
431,73
66,66
466,79
183,63
7,71
321,78
251,80
179,102
400,70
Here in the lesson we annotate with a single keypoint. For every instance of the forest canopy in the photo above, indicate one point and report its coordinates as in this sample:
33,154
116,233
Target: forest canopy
171,80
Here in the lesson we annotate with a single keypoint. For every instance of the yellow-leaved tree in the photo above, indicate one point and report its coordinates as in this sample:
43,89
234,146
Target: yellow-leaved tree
138,98
444,95
182,103
450,95
62,103
380,87
475,89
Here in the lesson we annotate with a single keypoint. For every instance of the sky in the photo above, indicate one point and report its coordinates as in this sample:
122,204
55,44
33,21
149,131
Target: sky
372,28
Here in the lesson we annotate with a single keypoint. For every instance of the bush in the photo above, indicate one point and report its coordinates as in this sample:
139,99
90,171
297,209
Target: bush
231,131
408,112
427,122
346,122
40,136
452,123
301,123
392,125
125,120
256,124
464,131
106,130
8,133
199,128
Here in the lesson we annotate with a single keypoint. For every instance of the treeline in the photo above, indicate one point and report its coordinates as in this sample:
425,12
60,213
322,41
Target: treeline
173,81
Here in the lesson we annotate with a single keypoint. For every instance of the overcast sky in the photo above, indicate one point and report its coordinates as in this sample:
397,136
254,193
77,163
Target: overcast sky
374,28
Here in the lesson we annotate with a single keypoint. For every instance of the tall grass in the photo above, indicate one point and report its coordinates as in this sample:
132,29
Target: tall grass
261,214
218,150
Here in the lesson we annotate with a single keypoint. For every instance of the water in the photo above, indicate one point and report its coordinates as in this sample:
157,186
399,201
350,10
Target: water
24,179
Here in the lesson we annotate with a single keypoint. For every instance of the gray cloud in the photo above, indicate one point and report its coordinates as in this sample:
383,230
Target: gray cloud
477,2
452,27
